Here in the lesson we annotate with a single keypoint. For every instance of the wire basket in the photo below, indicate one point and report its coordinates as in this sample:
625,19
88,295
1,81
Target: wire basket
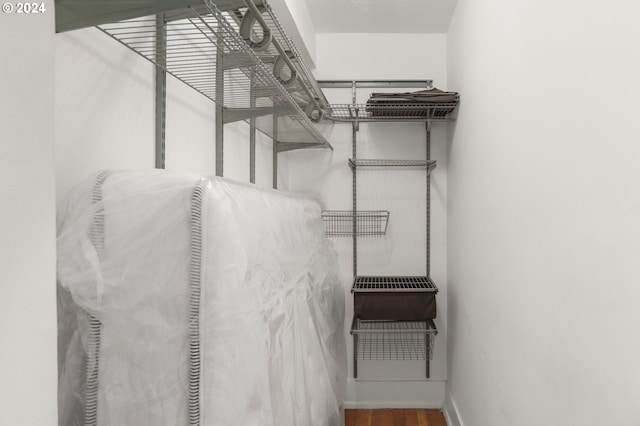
368,223
393,340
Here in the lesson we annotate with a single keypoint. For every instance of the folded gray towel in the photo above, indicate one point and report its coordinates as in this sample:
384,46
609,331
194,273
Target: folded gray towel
432,103
429,96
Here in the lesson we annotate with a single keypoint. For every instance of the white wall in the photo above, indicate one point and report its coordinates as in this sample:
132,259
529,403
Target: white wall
356,56
28,379
190,132
402,250
104,107
543,213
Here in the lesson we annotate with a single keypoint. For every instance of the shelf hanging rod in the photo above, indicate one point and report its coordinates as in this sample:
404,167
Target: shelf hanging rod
284,56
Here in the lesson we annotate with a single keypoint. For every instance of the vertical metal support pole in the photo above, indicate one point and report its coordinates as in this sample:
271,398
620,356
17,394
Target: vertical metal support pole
427,348
161,90
219,107
427,337
354,225
428,224
275,151
252,132
355,353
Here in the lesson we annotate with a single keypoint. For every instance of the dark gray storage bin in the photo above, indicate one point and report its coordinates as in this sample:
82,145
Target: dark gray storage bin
394,298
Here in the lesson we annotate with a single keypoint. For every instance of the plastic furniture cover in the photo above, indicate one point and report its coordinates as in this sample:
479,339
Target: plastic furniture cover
187,300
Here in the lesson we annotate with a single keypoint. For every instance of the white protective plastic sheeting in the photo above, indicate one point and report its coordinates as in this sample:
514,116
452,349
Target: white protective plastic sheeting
260,290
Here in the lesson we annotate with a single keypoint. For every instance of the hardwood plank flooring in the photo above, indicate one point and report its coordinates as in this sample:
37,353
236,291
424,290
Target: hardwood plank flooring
394,417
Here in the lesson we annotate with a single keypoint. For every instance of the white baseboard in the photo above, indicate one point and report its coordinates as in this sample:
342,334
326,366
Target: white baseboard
372,405
373,394
450,411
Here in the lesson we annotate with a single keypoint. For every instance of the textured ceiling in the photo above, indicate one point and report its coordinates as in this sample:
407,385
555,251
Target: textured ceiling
381,16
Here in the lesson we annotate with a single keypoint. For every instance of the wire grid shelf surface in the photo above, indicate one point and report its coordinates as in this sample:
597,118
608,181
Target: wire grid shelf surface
369,223
393,340
391,112
204,50
393,283
430,165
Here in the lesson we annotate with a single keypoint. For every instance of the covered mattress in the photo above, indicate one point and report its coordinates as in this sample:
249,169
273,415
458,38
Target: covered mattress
196,301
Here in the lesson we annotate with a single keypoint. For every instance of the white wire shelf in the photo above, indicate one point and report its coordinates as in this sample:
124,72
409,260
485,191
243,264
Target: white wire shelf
205,51
369,223
380,164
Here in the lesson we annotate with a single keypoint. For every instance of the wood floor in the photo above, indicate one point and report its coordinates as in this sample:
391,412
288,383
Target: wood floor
394,417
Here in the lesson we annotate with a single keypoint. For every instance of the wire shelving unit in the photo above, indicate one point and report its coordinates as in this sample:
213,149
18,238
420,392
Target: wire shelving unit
204,49
393,315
